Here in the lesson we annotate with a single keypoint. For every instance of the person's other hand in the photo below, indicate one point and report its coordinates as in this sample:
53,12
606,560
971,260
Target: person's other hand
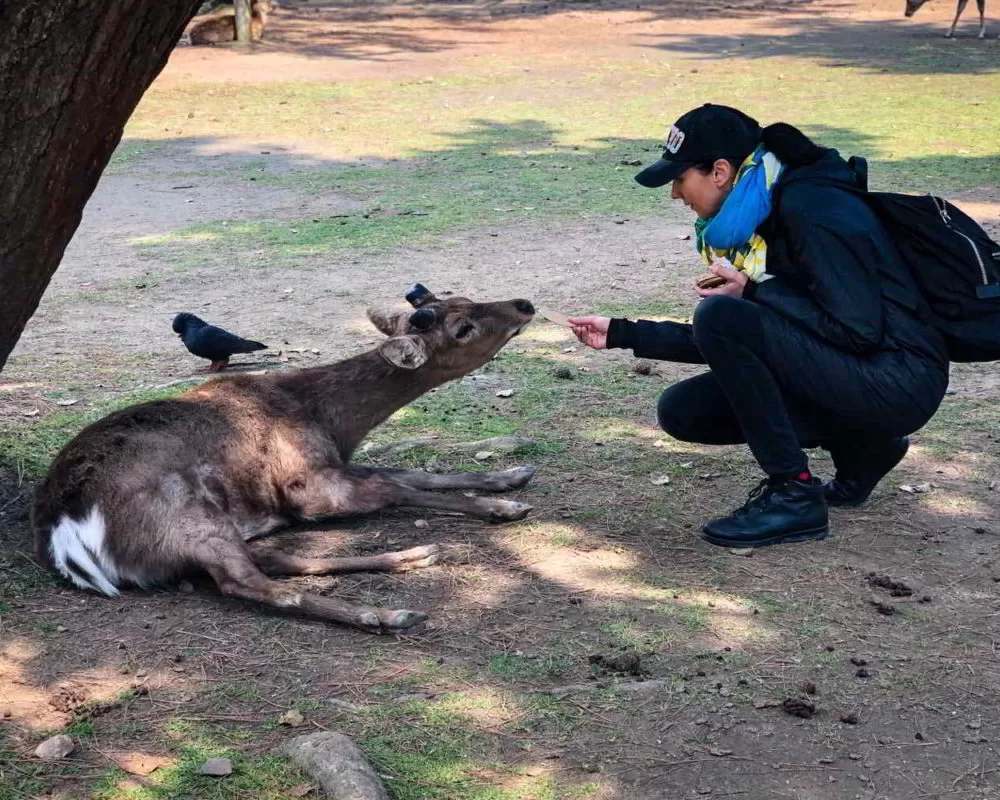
733,287
592,331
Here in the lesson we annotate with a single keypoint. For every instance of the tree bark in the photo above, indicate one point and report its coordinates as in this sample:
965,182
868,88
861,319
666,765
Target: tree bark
242,10
71,73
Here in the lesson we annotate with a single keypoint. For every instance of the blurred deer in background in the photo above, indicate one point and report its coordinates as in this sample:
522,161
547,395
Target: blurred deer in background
913,5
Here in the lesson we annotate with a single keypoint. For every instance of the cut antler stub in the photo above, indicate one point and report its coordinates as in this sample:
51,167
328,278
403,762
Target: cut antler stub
419,295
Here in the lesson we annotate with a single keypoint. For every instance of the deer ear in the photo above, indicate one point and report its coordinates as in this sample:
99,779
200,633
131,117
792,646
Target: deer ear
405,352
385,321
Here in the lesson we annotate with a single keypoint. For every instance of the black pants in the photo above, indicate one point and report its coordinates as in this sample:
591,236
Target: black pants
779,389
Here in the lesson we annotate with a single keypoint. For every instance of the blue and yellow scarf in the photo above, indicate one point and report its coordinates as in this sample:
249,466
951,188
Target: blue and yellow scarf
730,234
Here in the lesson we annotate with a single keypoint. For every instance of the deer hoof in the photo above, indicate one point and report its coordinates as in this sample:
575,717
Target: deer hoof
519,476
509,511
418,557
402,621
386,621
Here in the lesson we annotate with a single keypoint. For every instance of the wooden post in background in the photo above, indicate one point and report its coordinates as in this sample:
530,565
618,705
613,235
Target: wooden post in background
242,9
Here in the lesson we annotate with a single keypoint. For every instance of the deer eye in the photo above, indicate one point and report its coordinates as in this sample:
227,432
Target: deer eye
464,331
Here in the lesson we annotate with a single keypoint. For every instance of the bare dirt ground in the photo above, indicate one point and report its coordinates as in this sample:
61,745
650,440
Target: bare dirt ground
890,696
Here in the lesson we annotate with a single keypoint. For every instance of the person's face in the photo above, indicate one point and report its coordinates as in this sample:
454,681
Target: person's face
704,192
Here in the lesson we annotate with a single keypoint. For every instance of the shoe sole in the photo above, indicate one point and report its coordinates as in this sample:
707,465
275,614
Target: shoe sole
812,535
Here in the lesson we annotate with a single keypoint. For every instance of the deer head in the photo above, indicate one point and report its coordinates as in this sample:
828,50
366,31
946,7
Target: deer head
454,335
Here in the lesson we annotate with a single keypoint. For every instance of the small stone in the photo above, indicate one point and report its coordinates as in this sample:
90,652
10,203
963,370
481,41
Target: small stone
483,455
217,767
505,393
61,629
741,551
660,480
849,719
854,756
858,662
292,718
6,714
420,523
185,587
55,748
719,751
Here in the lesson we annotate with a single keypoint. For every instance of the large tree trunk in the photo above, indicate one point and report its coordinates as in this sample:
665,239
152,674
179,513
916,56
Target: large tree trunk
71,73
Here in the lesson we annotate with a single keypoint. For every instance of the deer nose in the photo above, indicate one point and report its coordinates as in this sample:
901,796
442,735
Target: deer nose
524,307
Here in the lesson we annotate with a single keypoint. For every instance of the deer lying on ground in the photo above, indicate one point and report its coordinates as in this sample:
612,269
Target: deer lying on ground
169,487
216,28
913,5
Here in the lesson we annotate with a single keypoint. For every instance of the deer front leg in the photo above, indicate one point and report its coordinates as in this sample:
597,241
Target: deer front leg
981,5
958,12
346,491
500,481
273,562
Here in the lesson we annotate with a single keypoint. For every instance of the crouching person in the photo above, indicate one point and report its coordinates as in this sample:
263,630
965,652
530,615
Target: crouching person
804,346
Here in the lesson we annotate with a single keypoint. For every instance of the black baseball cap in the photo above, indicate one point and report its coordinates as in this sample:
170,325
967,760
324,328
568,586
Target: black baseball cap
706,133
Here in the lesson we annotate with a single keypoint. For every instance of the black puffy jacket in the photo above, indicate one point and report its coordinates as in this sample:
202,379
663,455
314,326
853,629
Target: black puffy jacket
837,274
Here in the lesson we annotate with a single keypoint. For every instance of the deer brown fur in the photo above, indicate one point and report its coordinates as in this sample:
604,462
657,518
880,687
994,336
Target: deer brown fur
216,28
169,487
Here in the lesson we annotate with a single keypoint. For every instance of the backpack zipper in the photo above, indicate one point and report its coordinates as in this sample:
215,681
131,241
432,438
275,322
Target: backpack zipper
942,209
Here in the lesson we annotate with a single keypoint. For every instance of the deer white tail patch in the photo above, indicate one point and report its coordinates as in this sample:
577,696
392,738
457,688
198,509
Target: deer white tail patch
78,552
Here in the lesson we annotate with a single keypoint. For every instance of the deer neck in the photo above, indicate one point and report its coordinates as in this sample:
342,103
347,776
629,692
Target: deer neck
359,394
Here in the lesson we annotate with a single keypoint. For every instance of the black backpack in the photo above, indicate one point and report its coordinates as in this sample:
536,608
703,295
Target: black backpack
955,264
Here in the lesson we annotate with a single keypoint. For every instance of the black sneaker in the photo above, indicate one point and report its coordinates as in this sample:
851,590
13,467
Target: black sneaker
859,472
775,513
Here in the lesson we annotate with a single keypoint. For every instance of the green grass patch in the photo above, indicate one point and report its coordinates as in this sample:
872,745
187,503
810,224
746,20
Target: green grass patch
257,776
629,633
439,751
515,668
